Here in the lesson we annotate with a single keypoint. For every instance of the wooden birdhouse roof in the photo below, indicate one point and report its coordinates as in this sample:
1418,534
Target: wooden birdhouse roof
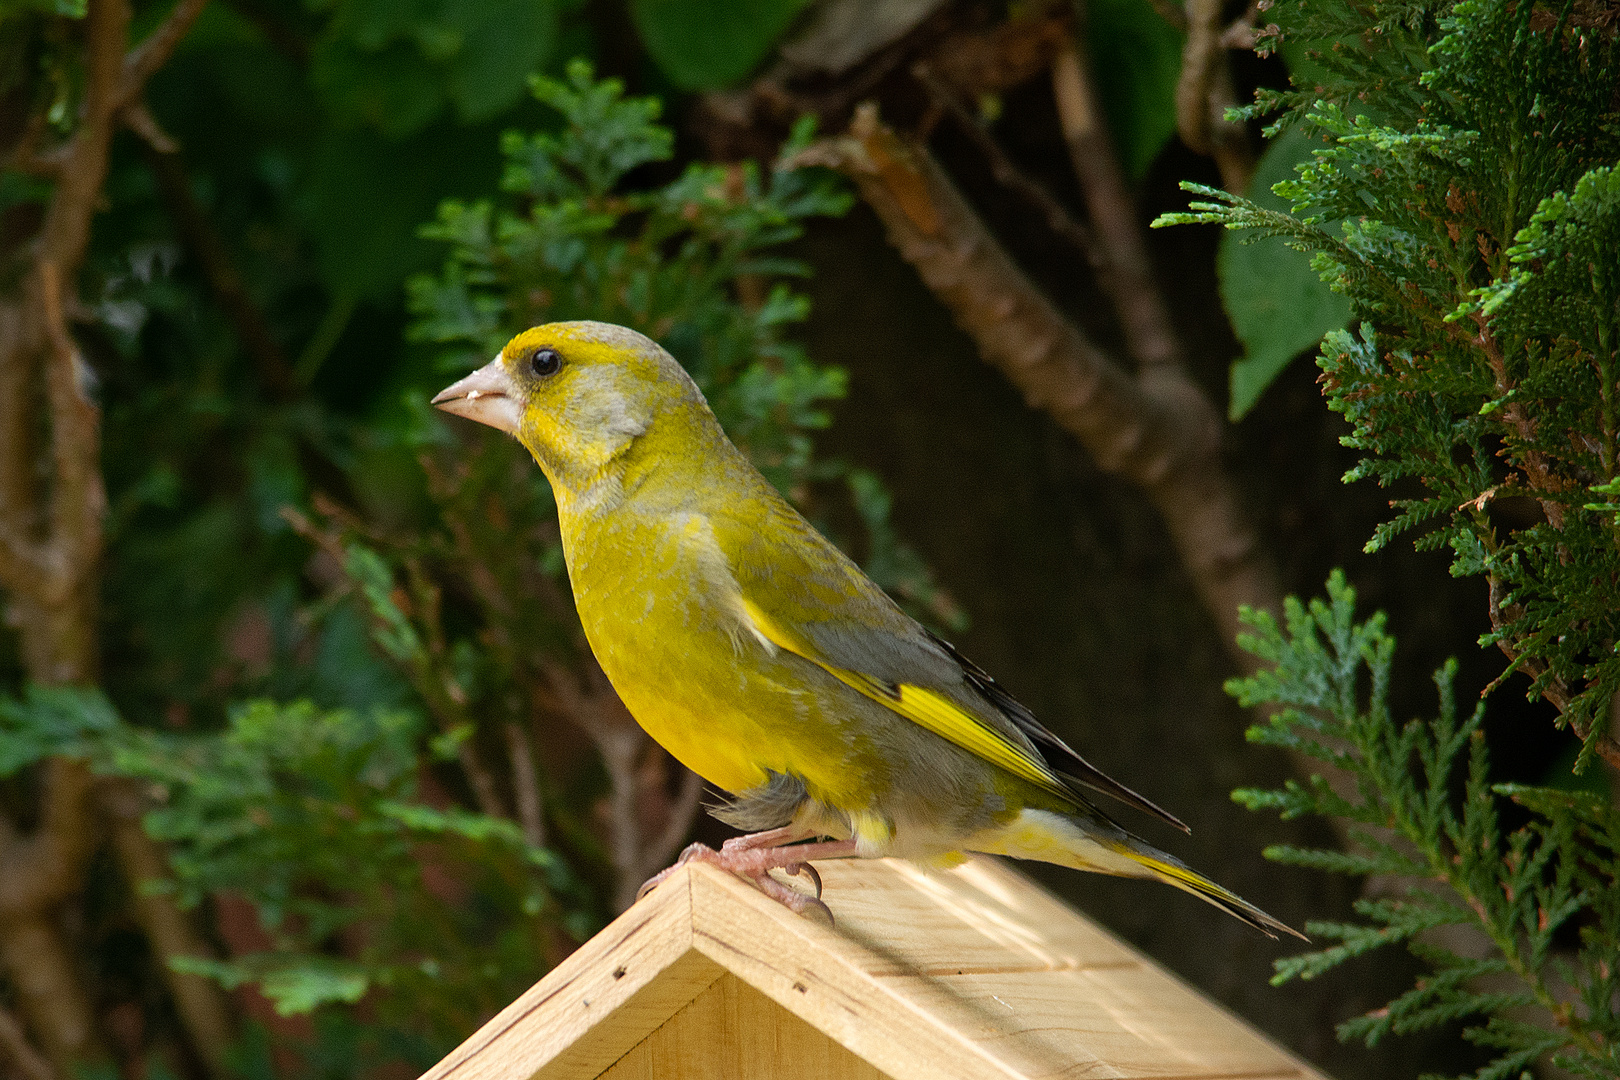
974,973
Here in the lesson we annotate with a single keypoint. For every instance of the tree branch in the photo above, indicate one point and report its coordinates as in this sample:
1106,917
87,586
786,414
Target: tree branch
66,229
1204,93
682,809
50,547
525,784
1058,218
78,499
1130,284
28,1062
48,994
45,867
1157,431
151,54
37,872
22,560
198,1000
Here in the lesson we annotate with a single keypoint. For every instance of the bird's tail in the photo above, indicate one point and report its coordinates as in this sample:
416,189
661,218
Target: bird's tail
1172,871
1098,845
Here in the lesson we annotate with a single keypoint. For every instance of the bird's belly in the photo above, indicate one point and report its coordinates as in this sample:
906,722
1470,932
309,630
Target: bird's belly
726,706
677,644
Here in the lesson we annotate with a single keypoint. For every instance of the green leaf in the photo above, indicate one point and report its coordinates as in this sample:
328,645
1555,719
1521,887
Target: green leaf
303,989
1278,304
367,196
393,90
1136,61
711,44
503,42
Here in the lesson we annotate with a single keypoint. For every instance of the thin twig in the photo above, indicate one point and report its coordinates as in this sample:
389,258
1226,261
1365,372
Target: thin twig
1129,282
198,1000
1203,94
1171,12
27,157
682,809
525,784
428,670
151,54
204,245
29,1063
1009,175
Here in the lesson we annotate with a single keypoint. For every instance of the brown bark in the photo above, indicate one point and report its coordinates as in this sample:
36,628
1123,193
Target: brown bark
645,824
1155,429
26,1062
199,1001
1128,279
50,533
49,994
1008,175
1204,93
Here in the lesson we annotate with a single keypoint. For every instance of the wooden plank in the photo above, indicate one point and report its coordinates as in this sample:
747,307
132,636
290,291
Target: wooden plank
733,1032
1135,1022
816,973
1042,992
976,917
597,1004
969,974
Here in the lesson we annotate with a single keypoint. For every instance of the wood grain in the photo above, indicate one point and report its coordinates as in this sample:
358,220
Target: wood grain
733,1032
969,973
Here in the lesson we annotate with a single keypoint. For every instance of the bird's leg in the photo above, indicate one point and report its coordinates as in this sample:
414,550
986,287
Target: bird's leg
755,855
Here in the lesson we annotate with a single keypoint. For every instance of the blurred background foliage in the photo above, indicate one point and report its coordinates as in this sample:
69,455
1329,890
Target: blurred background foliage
338,660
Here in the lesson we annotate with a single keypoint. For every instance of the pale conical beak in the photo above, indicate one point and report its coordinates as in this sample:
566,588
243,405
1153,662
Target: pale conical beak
488,396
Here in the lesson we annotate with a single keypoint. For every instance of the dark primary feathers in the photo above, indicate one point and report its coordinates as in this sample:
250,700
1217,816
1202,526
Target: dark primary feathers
1058,754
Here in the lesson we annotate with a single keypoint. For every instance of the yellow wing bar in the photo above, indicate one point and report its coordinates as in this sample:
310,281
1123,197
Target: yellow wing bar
929,710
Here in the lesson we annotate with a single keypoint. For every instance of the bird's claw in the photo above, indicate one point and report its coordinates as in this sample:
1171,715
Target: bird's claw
690,852
809,871
753,857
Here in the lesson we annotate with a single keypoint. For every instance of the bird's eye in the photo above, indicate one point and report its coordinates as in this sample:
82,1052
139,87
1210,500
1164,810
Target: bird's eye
545,362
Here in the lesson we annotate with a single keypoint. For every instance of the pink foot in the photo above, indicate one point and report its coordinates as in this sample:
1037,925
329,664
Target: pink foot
753,857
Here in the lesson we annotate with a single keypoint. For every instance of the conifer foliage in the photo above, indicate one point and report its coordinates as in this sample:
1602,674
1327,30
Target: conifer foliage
1544,897
1471,153
1469,160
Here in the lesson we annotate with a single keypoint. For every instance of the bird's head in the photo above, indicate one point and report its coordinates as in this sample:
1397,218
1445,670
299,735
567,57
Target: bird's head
576,394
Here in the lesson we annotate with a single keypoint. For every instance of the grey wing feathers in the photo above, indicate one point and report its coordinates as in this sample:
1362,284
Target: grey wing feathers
1063,759
873,636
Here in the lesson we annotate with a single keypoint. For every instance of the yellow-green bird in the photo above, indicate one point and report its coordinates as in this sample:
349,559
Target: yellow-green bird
764,660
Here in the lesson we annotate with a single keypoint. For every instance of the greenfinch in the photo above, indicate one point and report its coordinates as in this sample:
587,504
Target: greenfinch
764,660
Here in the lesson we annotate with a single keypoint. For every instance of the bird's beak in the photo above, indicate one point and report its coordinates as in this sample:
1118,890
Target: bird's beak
488,396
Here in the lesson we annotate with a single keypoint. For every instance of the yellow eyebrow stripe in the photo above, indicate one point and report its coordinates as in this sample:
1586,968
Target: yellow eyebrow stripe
929,710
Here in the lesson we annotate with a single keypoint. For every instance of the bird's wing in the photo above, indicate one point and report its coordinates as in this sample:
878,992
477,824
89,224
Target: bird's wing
805,596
